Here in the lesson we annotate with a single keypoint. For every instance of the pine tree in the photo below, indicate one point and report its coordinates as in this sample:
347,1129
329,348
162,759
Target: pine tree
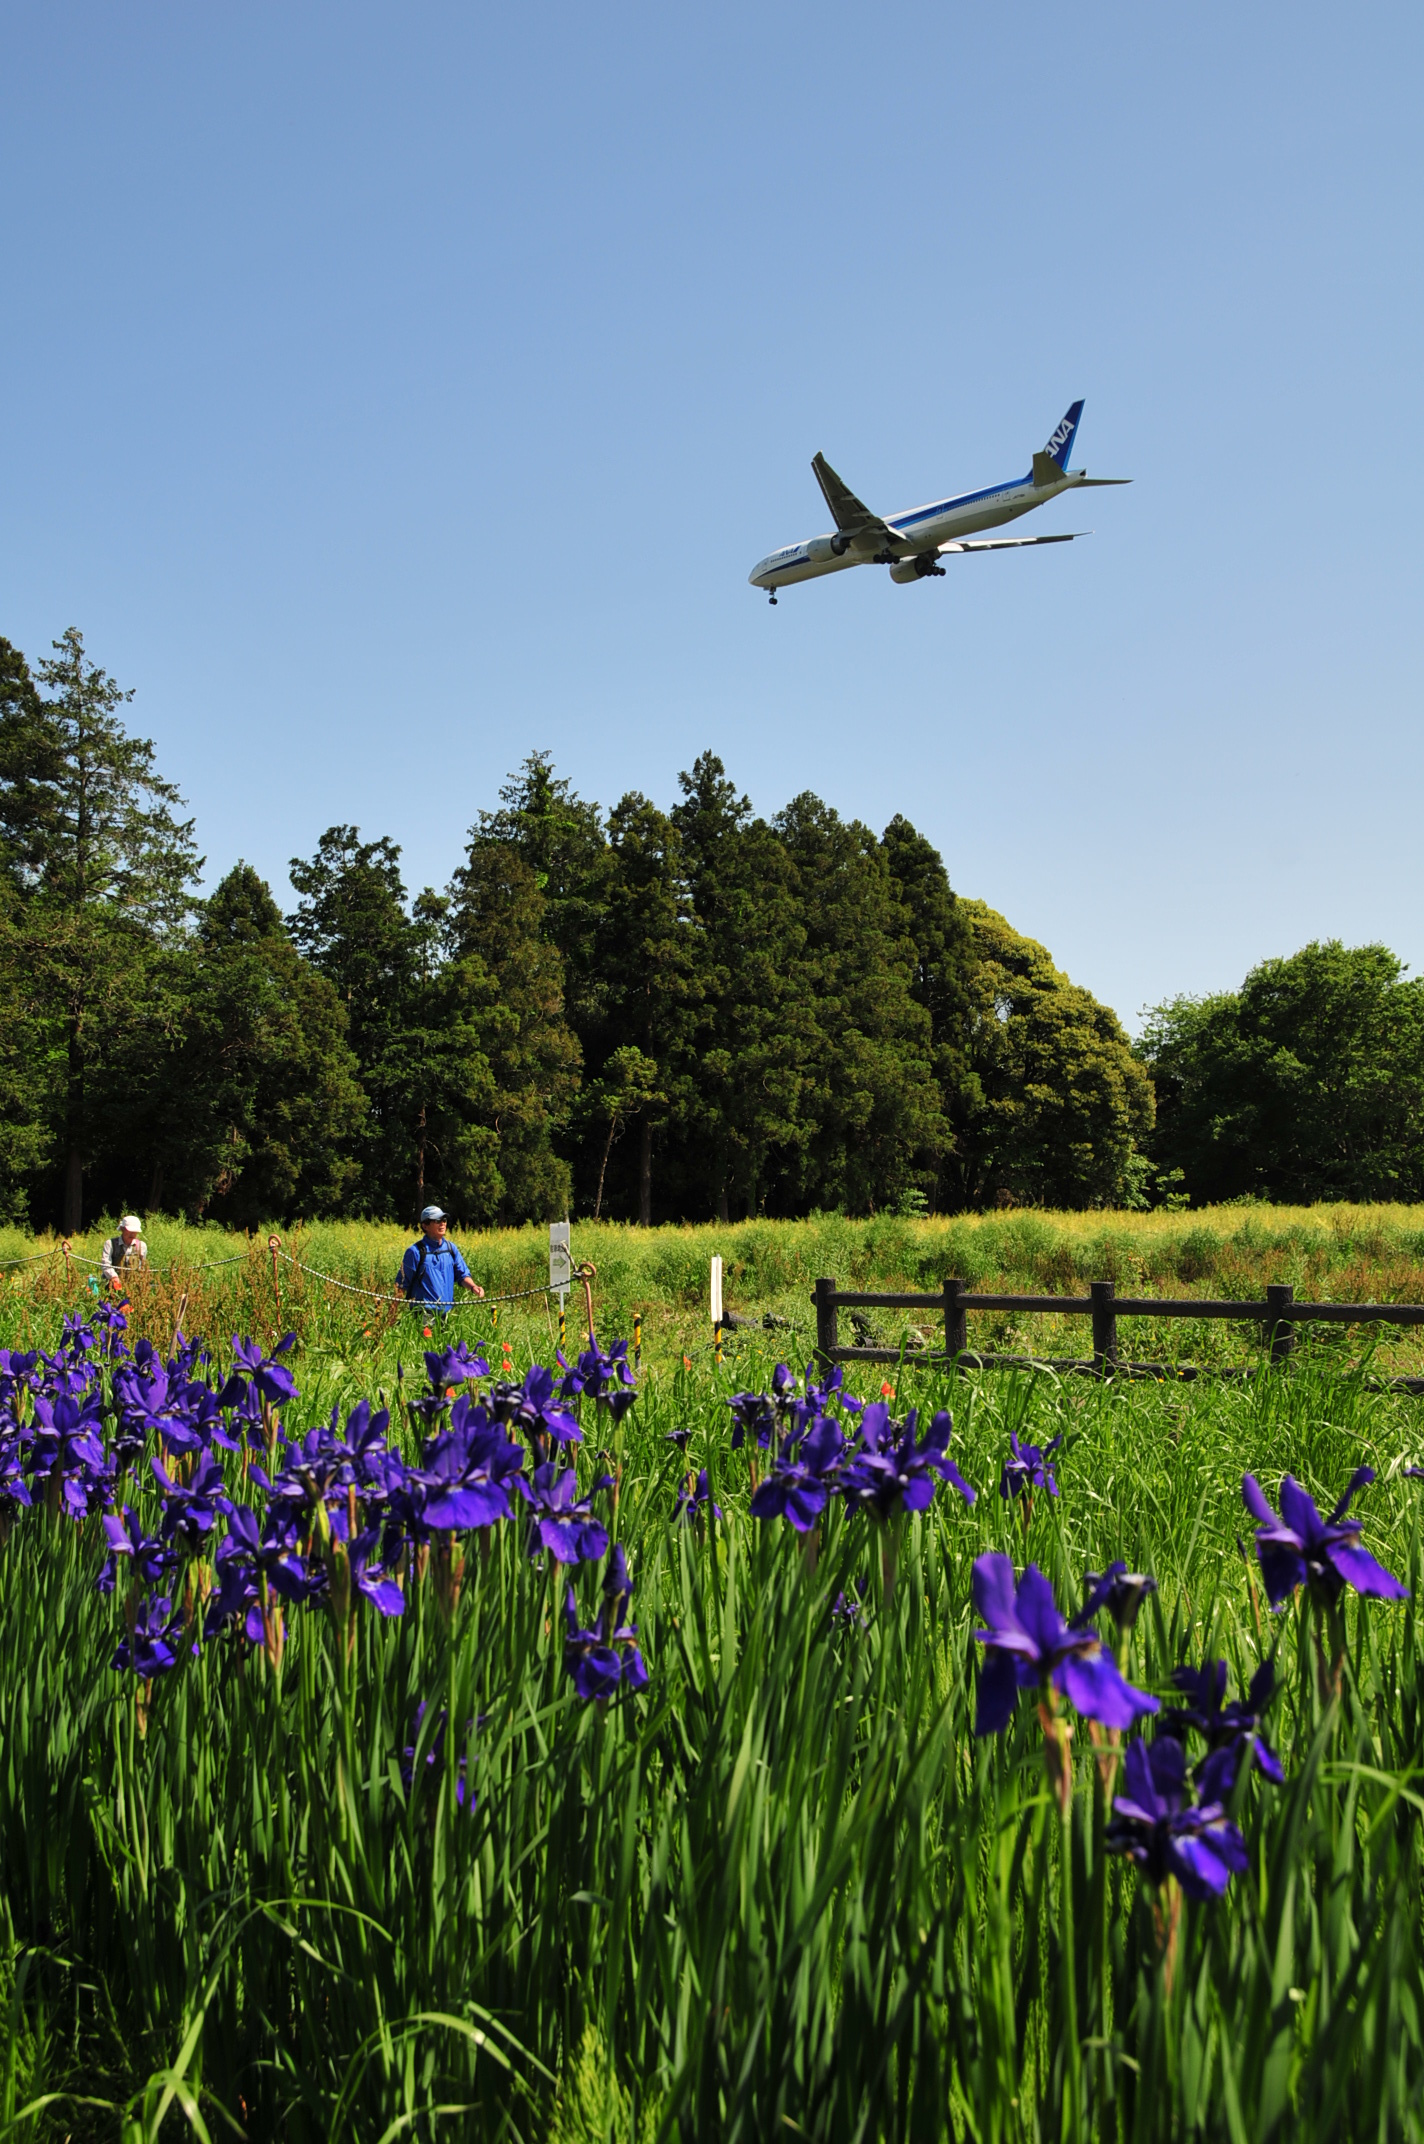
876,1128
512,980
641,1055
265,1106
560,836
101,867
741,1122
944,958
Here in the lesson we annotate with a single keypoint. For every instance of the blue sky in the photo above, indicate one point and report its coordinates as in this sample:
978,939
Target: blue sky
392,391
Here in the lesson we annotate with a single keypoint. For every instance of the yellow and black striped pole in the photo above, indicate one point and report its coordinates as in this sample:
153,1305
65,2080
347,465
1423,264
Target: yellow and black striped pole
637,1339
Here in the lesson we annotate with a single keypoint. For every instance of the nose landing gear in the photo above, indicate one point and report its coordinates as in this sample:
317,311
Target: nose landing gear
772,597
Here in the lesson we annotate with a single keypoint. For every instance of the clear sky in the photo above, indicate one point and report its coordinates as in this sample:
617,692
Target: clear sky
390,391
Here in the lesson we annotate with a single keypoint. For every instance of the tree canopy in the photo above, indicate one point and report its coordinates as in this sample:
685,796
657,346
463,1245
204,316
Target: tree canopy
650,1012
1306,1083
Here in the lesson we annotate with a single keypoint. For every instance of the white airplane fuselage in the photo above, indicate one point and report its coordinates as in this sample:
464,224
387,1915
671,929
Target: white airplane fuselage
921,530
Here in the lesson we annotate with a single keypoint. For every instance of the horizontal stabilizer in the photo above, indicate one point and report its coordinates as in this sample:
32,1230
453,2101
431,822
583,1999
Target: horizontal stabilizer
1012,543
1084,480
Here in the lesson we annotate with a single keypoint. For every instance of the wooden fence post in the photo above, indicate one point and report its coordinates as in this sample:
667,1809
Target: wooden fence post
1104,1327
1280,1333
956,1324
827,1321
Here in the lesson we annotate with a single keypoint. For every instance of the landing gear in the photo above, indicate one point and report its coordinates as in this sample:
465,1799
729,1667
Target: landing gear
772,598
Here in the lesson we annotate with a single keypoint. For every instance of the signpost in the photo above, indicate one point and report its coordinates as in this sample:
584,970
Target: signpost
716,1292
561,1267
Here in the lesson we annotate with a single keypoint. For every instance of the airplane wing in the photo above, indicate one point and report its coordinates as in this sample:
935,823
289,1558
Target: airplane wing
851,515
1012,543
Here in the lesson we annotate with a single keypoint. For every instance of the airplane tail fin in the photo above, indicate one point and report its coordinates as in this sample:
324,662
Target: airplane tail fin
1052,462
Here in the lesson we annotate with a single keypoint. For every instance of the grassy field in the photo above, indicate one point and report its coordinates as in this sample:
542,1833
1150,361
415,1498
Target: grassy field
782,1890
1339,1253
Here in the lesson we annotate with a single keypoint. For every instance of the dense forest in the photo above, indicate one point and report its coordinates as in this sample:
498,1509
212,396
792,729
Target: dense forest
649,1014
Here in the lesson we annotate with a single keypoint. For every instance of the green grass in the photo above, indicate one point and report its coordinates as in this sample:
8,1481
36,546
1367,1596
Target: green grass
1340,1253
785,1891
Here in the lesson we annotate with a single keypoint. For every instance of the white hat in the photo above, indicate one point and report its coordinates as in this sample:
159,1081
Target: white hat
432,1213
131,1220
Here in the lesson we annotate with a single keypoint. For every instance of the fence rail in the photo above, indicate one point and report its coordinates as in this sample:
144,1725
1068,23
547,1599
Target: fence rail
1279,1315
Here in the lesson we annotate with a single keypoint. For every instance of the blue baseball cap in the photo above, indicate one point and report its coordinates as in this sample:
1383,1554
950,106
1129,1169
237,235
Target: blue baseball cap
431,1213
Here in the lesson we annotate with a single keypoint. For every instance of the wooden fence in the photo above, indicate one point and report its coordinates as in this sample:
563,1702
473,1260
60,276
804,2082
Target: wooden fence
1279,1316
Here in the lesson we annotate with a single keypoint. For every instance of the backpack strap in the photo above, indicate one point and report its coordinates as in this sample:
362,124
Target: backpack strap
414,1282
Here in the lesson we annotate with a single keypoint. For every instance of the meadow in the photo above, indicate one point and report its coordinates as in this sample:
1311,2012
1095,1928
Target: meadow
376,1831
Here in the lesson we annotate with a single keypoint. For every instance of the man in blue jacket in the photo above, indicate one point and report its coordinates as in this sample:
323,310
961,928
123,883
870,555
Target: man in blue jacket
431,1267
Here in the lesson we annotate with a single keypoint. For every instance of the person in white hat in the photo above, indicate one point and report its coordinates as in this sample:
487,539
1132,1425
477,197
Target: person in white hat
126,1249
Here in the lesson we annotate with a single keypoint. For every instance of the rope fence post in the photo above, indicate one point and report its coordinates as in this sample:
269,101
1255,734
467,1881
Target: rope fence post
68,1266
956,1323
274,1245
1280,1332
827,1321
1104,1326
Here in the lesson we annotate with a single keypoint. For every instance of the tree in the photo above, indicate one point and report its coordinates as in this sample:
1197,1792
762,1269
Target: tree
741,1123
560,836
101,868
512,980
640,1050
264,1105
942,937
874,1122
1065,1104
1307,1083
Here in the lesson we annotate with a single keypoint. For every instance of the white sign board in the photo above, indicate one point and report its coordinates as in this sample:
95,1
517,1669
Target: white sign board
716,1291
561,1265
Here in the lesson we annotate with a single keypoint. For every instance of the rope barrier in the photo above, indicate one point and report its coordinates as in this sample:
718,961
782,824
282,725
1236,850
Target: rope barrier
374,1295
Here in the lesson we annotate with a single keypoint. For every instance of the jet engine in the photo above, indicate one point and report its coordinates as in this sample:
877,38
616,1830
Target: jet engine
920,568
822,548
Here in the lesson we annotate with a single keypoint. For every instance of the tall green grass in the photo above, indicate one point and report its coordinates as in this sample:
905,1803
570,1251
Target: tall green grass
785,1892
1339,1252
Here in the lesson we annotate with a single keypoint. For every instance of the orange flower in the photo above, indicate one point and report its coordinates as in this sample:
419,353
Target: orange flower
428,1334
887,1392
687,1362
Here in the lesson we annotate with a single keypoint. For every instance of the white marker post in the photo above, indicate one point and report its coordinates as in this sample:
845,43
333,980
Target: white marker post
716,1294
561,1267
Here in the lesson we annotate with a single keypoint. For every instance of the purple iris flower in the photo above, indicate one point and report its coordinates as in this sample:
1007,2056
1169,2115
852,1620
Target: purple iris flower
189,1510
798,1489
1225,1727
889,1474
464,1473
1165,1832
562,1522
272,1379
1027,1645
1301,1548
606,1659
151,1557
753,1415
605,1378
1120,1591
68,1450
247,1554
532,1410
694,1500
14,1491
453,1366
152,1647
370,1581
1027,1467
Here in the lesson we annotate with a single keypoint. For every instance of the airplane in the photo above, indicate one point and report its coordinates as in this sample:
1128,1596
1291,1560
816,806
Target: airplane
912,544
